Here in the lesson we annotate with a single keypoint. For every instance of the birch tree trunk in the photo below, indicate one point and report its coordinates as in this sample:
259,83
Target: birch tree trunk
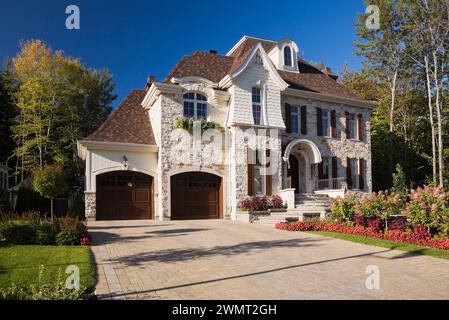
432,125
439,120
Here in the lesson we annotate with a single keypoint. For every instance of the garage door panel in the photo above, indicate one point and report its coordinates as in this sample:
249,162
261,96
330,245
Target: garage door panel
124,195
195,195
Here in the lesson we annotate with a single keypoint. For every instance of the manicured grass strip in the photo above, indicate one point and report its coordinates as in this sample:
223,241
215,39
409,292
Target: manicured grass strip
443,254
19,264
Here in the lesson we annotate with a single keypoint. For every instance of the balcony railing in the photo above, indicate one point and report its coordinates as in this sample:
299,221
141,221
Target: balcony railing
325,184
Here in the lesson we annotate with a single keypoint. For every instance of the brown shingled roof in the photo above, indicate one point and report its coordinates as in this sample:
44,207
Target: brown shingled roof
129,123
203,64
215,67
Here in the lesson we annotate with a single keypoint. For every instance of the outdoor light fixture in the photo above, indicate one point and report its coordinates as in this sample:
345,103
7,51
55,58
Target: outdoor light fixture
125,162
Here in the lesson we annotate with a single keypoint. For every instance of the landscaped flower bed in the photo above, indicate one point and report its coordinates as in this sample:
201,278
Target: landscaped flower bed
416,236
419,218
262,203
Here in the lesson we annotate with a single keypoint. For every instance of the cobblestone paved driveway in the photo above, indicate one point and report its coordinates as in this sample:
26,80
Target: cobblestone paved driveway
229,260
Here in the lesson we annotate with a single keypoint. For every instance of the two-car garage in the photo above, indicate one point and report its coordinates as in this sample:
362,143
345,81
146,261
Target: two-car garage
128,195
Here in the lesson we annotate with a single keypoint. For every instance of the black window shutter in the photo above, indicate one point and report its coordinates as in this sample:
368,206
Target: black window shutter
304,120
319,122
360,126
288,116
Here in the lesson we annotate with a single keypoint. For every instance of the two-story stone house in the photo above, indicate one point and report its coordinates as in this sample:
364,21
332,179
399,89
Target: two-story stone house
319,137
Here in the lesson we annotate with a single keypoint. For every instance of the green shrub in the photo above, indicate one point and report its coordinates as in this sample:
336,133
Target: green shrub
18,232
44,233
68,238
69,231
187,124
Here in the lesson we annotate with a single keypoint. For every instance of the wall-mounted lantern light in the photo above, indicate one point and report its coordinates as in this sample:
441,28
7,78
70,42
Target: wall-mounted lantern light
125,162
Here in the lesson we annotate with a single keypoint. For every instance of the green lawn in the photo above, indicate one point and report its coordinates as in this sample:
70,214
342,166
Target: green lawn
19,264
443,254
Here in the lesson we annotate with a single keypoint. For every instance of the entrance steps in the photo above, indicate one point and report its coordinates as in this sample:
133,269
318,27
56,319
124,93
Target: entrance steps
306,206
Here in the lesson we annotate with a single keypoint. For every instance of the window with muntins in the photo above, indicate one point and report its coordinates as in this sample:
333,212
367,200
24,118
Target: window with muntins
325,122
352,129
294,119
288,56
257,107
195,105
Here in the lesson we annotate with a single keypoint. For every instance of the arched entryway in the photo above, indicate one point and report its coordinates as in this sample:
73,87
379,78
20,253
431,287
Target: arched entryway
196,195
124,195
300,156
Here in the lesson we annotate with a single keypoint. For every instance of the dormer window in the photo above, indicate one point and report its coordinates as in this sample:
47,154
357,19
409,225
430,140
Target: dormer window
288,56
195,105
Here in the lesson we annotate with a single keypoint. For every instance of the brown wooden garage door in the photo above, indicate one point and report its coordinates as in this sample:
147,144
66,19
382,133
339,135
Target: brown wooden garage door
196,195
124,195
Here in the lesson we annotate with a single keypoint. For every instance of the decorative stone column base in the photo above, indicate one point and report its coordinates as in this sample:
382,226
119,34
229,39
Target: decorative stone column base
90,205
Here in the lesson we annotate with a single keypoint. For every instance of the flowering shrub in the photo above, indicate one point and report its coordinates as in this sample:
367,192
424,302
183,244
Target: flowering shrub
429,206
276,202
379,205
343,209
261,203
417,237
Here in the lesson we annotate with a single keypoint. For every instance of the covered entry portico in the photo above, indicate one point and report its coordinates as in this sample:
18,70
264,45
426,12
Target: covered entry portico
299,170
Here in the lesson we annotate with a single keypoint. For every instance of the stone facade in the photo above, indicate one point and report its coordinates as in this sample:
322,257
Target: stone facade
340,146
90,205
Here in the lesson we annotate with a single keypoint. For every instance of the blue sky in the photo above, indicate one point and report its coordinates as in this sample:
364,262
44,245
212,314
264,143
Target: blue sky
136,38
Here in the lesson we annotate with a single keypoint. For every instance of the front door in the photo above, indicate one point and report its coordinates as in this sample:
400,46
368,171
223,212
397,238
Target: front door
293,173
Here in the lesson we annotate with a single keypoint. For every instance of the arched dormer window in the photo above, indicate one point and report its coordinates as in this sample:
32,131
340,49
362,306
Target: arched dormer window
288,56
195,105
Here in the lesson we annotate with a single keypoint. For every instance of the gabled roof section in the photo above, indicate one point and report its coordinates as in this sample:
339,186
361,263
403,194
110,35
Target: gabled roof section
208,65
244,47
258,49
247,43
129,123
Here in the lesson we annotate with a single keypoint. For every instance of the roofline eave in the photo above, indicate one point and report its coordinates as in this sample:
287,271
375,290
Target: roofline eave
330,98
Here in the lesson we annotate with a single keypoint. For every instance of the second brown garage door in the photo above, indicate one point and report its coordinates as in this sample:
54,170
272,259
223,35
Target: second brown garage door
196,195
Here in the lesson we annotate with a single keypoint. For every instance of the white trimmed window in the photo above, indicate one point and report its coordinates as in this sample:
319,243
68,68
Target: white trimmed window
195,105
257,105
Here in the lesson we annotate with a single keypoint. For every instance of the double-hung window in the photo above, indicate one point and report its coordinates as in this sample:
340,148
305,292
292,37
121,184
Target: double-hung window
257,106
195,105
